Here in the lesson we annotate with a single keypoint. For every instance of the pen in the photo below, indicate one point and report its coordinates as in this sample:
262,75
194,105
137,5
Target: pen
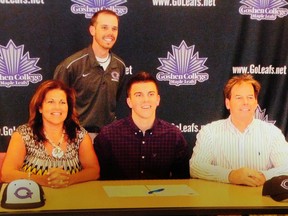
155,191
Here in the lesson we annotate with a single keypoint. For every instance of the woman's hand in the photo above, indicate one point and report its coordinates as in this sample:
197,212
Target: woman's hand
58,178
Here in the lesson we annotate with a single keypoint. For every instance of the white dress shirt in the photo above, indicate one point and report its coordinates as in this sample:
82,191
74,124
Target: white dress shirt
221,147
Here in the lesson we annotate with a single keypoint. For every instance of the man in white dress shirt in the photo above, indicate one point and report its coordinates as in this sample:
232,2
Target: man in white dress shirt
240,149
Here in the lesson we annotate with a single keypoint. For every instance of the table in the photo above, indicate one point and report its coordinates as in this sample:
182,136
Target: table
90,198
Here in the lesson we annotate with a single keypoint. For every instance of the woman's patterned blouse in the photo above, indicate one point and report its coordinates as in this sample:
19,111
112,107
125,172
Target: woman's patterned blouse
37,161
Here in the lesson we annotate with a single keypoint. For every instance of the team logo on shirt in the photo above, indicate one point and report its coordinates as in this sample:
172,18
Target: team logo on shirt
263,9
89,7
260,114
183,66
115,76
17,69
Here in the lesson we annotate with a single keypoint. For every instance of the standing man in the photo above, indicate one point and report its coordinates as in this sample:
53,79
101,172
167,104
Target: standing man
142,146
240,149
96,74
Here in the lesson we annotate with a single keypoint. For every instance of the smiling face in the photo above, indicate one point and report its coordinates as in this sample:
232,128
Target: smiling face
242,103
104,31
143,100
54,108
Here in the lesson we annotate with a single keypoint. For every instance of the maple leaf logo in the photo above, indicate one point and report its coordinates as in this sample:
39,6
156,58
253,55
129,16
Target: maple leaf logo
260,114
17,69
183,67
99,3
89,7
264,3
264,9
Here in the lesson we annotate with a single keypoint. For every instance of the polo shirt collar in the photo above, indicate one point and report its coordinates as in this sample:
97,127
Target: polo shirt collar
93,60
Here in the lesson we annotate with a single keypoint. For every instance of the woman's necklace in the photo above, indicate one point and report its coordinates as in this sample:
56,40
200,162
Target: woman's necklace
57,152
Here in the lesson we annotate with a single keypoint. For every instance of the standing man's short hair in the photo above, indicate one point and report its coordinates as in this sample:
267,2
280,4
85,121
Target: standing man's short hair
104,11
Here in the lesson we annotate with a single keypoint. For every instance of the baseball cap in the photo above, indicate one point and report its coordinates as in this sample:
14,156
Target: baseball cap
276,188
22,194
